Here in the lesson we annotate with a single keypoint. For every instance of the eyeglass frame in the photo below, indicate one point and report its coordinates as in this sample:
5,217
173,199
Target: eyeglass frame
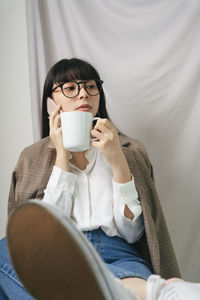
79,88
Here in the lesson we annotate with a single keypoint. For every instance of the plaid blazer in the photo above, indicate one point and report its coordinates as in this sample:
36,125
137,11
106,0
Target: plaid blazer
34,167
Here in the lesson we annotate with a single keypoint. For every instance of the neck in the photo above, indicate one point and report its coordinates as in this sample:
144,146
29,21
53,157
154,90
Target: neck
76,156
79,159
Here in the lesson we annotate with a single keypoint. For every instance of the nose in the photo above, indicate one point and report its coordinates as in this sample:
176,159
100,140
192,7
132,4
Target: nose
82,93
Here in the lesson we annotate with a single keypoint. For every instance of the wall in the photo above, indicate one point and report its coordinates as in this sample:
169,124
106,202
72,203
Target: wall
16,133
15,120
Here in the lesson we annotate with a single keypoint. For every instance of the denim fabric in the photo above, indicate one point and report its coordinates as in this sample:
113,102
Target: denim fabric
10,285
122,259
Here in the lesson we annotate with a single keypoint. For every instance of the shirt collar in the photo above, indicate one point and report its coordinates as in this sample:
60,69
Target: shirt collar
90,154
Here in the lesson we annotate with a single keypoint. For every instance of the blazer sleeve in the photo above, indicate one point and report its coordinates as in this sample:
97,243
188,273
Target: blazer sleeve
25,182
12,198
156,245
31,174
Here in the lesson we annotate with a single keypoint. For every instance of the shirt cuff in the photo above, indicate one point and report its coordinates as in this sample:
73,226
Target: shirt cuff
61,180
126,194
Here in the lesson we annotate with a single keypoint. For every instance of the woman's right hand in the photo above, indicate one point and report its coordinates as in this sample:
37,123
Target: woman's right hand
62,154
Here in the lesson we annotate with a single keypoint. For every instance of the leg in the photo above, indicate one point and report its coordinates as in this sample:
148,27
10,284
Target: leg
138,285
10,285
123,260
54,259
3,295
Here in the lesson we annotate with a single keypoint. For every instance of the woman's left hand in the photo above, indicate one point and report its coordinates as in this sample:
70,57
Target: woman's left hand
108,141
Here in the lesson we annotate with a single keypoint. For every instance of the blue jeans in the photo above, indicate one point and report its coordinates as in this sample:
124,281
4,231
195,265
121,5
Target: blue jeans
10,285
122,259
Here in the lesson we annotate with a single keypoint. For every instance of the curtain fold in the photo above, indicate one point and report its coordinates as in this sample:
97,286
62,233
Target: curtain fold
147,53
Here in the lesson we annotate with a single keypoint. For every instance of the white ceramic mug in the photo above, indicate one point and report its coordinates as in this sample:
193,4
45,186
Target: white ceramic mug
76,128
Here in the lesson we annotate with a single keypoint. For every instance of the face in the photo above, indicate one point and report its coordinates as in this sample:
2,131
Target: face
82,102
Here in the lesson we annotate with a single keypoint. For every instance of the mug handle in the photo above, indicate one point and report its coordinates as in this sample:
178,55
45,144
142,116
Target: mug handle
94,119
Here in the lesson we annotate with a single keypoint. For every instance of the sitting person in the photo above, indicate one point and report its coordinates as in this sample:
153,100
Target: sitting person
108,190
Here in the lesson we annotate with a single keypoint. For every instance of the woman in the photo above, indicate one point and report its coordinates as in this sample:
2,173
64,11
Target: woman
108,191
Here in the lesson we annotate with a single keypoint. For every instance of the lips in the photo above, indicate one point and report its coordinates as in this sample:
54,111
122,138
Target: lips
84,107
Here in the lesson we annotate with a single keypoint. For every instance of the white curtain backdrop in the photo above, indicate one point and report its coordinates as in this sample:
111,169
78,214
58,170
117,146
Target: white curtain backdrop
148,54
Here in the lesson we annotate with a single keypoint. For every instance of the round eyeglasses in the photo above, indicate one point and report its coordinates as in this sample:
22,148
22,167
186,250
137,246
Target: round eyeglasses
71,89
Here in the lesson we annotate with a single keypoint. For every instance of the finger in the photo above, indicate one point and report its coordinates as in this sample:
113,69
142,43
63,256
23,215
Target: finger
106,122
57,121
103,136
56,110
60,130
96,134
56,134
105,130
101,127
95,144
53,115
100,144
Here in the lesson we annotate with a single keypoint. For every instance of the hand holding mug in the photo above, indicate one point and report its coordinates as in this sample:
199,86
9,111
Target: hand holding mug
108,141
109,145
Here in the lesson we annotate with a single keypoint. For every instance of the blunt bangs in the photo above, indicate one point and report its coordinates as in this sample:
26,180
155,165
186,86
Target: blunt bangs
73,69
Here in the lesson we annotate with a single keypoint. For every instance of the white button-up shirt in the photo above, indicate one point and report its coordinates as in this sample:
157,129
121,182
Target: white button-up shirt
92,199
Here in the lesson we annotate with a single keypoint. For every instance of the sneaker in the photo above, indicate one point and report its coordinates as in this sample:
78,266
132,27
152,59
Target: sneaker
180,290
174,290
55,261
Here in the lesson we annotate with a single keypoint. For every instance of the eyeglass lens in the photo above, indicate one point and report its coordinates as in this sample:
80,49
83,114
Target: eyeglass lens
71,89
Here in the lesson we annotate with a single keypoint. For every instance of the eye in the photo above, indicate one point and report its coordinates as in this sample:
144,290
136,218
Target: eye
91,85
69,87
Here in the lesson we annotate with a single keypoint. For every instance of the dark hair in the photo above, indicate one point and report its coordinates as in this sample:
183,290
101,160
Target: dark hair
66,70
